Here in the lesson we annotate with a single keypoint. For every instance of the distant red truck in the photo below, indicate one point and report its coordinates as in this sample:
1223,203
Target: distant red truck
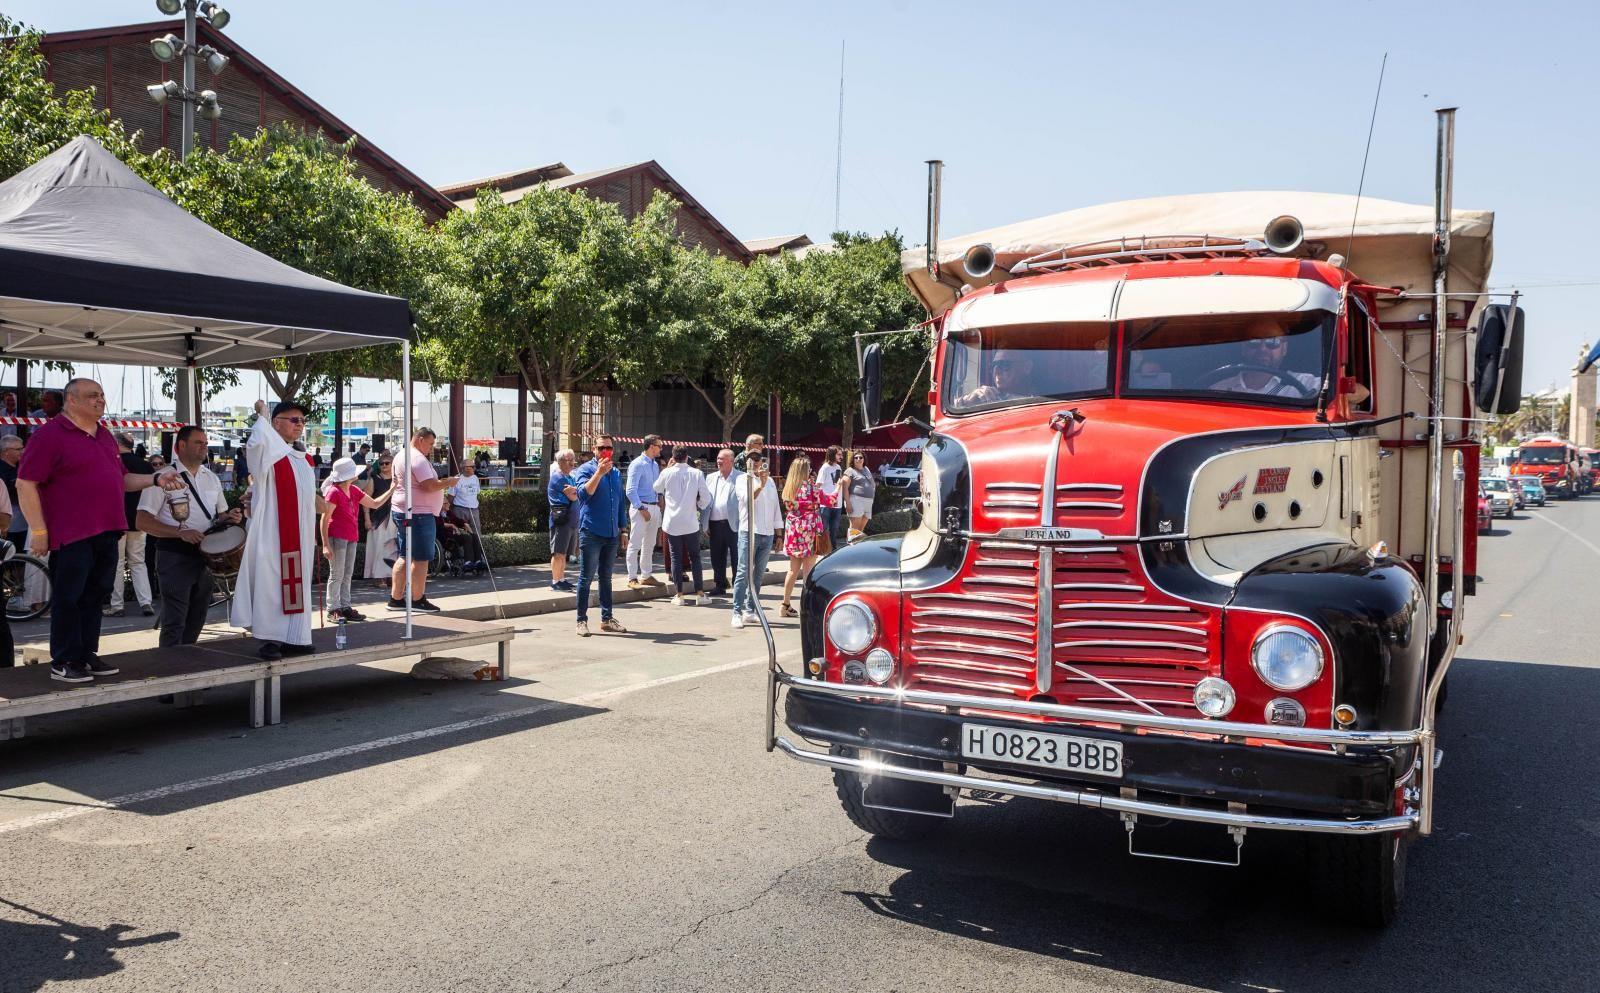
1555,461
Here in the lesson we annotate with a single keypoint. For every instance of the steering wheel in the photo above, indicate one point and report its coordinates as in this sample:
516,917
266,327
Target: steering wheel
1222,371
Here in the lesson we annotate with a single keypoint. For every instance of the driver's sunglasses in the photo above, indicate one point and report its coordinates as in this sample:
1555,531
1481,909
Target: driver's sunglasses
1273,343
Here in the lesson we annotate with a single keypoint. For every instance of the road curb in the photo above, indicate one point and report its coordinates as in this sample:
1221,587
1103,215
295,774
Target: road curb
568,602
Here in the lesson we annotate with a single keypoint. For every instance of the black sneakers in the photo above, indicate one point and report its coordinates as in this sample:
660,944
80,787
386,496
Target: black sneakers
395,603
99,667
70,672
425,605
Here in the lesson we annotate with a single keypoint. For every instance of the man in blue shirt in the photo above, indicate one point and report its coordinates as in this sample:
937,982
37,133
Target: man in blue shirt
646,514
562,496
602,518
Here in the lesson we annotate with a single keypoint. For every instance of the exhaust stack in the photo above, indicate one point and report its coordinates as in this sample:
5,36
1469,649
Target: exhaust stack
935,177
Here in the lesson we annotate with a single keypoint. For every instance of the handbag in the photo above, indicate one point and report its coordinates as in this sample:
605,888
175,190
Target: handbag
560,515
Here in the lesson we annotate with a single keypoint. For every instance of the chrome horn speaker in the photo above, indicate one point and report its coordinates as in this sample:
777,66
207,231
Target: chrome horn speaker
1284,234
979,261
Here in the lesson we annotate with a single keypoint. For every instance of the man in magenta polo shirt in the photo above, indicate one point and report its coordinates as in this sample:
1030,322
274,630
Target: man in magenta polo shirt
70,483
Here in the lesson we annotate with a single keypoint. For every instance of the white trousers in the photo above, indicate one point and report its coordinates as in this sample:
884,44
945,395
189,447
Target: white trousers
642,538
130,552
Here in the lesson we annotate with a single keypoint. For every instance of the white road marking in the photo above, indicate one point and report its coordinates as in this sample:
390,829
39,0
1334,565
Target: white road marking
1585,542
160,792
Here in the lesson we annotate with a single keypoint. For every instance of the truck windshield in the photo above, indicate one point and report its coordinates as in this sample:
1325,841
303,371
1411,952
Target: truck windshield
1541,455
988,368
1269,358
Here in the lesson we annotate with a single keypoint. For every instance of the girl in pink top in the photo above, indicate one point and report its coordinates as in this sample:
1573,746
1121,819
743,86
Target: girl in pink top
340,533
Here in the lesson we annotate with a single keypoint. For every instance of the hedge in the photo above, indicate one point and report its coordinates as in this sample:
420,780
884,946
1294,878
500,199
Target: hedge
893,521
513,512
516,549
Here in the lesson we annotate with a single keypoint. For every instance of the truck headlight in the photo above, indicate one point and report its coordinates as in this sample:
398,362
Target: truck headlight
1286,658
1213,697
851,626
880,666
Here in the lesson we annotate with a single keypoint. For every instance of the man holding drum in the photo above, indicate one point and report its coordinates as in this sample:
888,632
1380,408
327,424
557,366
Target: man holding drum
179,520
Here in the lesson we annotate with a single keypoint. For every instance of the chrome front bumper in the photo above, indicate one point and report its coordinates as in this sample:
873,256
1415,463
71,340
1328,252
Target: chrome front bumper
1121,801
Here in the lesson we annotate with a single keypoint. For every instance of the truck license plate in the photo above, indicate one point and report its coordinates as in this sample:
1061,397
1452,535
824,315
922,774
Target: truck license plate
1048,751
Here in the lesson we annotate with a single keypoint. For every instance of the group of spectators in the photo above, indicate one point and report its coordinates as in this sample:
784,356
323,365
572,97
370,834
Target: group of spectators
738,508
89,502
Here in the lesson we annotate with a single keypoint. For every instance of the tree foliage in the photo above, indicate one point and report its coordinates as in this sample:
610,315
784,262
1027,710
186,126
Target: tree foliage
566,291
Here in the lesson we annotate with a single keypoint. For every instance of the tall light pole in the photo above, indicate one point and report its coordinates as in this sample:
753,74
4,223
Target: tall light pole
186,394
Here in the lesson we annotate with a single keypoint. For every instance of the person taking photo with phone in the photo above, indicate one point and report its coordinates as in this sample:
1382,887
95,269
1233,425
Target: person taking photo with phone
602,521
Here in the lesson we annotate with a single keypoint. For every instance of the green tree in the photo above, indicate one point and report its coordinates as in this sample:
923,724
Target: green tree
567,291
297,197
853,286
35,120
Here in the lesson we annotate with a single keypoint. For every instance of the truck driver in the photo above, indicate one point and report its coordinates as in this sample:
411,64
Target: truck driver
1262,354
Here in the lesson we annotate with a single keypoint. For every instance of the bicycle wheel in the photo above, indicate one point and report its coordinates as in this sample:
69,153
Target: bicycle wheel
25,584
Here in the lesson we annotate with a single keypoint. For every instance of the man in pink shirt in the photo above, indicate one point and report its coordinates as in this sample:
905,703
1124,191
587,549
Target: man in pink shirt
70,484
420,507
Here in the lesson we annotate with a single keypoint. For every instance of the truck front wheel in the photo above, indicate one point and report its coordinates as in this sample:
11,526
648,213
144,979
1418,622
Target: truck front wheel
892,824
1359,879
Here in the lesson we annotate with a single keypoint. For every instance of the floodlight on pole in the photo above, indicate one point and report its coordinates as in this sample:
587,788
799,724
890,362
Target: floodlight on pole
215,60
167,47
169,7
217,15
210,109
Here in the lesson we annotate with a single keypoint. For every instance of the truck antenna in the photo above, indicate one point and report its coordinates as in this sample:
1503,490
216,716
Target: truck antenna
1362,183
838,157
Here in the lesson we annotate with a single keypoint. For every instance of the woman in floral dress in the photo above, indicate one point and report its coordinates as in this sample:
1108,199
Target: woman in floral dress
801,526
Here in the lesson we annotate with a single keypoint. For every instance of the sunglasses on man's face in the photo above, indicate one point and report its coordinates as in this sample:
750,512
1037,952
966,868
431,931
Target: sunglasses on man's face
292,420
604,449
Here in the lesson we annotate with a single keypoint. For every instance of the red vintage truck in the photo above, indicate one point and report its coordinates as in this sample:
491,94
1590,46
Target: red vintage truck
1554,460
1175,560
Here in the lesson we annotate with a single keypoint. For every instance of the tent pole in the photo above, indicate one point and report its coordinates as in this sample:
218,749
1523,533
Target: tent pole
404,457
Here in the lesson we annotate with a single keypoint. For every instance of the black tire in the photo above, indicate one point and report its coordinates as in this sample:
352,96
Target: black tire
14,574
1360,880
879,823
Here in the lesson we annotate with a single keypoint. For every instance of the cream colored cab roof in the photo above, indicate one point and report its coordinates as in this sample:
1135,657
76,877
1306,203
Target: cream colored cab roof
1392,244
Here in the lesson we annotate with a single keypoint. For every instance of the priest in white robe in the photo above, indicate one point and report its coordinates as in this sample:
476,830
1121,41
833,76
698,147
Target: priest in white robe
272,596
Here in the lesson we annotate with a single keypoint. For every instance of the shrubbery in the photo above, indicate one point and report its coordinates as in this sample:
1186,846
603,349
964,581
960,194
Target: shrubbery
513,512
516,549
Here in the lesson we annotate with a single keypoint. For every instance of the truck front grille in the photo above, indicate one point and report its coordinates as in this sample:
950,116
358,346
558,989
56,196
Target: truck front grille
1116,644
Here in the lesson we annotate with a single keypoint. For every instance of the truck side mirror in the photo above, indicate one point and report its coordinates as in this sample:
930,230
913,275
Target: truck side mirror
871,385
1498,380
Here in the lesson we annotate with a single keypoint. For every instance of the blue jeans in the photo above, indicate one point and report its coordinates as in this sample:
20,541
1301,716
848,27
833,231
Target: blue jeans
595,555
746,591
831,516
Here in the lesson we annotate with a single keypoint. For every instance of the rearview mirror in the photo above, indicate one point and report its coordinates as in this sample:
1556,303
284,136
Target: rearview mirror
871,385
1497,383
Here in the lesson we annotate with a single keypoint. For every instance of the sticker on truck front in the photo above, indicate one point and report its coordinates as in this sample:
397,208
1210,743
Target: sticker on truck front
1066,753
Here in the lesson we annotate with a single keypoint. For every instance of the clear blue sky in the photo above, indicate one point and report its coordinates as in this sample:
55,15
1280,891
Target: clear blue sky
1034,109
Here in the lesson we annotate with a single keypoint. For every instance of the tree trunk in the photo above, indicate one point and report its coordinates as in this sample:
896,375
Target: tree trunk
848,431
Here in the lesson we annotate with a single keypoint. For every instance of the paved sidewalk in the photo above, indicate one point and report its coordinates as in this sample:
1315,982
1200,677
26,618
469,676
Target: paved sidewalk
512,591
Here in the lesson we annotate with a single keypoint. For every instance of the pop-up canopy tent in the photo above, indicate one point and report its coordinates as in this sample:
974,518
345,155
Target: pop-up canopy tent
1386,241
96,265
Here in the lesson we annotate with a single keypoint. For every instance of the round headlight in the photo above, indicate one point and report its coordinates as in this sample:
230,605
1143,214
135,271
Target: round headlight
880,666
851,626
1286,658
1213,697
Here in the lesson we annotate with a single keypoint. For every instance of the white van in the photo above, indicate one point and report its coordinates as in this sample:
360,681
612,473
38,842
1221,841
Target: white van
899,474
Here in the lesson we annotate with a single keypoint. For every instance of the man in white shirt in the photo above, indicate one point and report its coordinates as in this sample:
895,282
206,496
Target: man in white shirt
721,514
683,492
464,500
759,520
186,581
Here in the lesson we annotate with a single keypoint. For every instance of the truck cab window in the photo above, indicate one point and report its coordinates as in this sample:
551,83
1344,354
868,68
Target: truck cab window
1276,358
1358,361
989,368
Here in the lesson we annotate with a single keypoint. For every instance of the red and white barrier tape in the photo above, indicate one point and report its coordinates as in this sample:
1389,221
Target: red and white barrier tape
718,445
110,422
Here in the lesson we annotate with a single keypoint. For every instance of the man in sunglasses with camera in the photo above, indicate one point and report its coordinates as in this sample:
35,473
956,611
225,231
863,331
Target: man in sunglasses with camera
272,596
602,521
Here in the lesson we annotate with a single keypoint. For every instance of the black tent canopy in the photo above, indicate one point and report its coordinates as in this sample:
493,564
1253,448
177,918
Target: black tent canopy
96,265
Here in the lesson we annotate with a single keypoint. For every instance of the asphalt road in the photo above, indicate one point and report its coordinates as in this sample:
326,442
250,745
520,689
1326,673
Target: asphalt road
608,821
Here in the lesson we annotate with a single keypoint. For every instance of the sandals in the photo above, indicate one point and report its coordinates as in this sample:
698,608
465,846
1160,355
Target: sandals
787,611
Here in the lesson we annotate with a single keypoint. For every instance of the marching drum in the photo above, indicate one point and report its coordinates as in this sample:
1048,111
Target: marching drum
223,548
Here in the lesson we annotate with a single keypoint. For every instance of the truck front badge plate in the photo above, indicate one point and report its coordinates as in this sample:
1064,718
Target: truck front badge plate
1272,480
1232,493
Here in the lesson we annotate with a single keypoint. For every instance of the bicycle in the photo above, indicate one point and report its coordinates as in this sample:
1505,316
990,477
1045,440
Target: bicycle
19,572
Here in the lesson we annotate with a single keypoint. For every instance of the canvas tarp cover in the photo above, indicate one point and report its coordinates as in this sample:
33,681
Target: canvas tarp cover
97,265
1392,241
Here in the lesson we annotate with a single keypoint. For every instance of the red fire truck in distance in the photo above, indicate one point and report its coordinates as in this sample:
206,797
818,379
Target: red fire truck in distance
1553,460
1175,560
1592,456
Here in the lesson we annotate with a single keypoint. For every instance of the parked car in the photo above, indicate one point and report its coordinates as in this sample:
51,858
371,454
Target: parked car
1485,512
1532,490
1501,497
900,474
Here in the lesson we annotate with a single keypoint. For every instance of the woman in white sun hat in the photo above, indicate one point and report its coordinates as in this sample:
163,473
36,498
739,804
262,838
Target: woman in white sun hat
340,533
